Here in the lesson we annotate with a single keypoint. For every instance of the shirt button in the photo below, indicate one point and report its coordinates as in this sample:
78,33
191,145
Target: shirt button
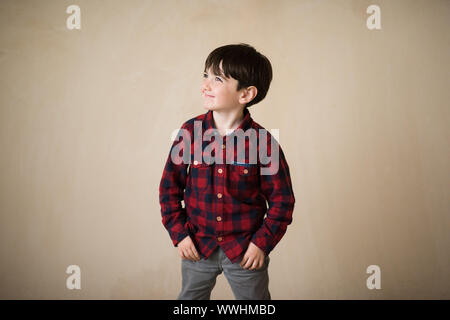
219,218
219,239
220,170
195,162
219,195
245,171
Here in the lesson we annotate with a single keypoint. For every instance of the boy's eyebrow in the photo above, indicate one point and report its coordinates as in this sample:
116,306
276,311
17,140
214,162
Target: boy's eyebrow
220,75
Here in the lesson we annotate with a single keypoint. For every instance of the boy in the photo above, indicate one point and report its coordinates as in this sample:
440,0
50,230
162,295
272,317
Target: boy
222,226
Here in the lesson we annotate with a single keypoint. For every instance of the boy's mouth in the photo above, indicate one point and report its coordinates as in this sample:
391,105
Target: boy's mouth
208,96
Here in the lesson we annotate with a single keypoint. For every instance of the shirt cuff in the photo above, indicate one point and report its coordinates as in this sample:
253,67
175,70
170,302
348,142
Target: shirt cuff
262,241
177,234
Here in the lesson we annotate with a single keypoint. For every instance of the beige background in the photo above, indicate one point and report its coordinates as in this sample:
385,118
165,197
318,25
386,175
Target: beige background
86,119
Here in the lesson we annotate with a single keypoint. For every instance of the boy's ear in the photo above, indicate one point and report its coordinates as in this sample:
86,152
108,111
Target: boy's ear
248,94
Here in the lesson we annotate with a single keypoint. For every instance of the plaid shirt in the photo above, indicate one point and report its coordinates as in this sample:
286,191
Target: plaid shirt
225,204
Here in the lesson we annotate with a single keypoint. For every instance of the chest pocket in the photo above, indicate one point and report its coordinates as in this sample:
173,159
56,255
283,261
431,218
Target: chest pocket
243,181
200,176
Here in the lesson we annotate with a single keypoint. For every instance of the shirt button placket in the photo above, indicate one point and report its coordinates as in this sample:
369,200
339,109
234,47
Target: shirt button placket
219,229
220,188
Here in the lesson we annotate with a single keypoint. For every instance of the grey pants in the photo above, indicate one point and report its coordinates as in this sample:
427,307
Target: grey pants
199,278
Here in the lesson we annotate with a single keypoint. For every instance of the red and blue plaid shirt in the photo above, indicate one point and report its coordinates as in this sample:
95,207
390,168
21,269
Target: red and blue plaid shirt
226,204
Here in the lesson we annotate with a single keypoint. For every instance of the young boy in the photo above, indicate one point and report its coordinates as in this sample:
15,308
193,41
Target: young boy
222,226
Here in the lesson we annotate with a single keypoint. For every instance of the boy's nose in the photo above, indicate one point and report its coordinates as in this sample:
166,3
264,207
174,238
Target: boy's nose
205,86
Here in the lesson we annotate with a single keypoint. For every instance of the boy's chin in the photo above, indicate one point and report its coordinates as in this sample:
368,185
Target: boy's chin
213,107
210,107
218,108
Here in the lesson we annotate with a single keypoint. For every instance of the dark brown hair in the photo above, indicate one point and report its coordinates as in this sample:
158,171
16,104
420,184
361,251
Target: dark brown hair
243,63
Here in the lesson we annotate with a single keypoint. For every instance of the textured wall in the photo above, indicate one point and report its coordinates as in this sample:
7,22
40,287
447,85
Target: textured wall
86,117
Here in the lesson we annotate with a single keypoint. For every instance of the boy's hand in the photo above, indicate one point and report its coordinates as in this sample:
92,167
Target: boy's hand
253,258
187,249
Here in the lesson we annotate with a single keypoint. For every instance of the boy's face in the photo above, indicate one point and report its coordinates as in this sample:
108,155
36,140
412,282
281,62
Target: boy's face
219,93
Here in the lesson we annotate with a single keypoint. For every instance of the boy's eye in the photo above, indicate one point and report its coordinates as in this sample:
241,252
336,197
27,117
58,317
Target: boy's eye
205,75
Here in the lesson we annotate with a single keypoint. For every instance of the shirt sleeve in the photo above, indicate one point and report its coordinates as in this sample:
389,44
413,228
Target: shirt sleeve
171,192
277,188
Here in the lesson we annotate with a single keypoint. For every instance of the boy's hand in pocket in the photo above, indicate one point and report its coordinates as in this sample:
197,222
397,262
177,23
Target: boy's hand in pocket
187,249
253,258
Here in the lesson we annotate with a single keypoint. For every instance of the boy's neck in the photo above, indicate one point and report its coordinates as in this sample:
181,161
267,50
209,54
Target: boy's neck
224,120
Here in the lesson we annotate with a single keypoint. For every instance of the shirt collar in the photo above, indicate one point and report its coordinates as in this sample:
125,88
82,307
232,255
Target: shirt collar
246,123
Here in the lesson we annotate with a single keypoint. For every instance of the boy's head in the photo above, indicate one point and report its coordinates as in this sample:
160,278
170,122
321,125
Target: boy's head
244,70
